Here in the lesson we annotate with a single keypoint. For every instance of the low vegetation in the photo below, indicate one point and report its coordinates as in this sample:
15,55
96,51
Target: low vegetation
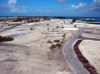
56,40
64,35
74,25
73,21
57,44
3,39
11,24
48,29
31,19
47,24
57,26
49,41
62,27
53,46
53,30
1,26
62,41
32,28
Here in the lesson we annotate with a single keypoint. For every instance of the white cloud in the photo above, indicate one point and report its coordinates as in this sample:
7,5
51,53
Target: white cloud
80,5
15,7
12,5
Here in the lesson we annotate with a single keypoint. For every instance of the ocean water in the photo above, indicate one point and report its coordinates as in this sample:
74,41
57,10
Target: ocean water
97,19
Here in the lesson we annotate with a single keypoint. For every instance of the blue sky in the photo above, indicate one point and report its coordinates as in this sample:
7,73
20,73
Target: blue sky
87,8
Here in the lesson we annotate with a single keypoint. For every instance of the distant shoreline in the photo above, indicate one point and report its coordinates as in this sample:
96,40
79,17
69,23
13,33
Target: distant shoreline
96,21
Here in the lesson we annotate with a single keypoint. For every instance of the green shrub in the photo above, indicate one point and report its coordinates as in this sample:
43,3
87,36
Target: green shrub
3,39
56,40
74,25
47,24
18,20
1,26
52,46
58,45
64,35
55,46
9,39
49,41
32,28
57,26
62,42
48,29
62,27
31,20
73,21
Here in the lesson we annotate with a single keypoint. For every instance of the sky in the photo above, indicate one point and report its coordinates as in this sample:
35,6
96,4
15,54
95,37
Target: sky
80,8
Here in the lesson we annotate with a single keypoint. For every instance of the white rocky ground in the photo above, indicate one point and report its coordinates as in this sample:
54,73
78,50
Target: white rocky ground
29,53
